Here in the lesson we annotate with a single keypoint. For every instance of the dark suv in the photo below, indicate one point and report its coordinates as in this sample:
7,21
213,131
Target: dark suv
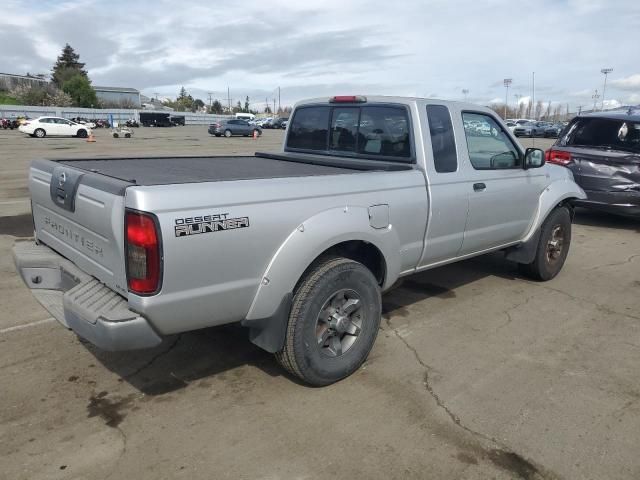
603,152
234,127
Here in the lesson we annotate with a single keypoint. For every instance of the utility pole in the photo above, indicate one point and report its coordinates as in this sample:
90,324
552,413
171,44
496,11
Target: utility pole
274,107
606,72
465,92
595,97
279,107
518,97
229,99
266,104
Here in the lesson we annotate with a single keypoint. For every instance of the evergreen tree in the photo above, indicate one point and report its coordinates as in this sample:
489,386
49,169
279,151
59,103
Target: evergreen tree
80,90
246,104
216,107
67,66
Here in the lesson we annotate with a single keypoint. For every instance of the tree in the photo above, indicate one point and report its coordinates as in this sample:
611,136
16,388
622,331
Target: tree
267,109
237,108
216,107
80,90
538,110
198,104
246,104
67,66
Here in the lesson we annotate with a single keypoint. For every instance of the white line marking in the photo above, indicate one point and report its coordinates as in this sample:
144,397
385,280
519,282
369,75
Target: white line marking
27,325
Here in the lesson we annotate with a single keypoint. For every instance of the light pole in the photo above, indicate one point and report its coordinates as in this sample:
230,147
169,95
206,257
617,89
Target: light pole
507,83
606,72
595,97
465,92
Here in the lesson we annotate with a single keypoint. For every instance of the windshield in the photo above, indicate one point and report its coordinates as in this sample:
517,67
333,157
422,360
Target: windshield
614,134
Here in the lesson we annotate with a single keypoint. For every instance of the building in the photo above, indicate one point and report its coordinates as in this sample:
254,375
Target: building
9,81
118,96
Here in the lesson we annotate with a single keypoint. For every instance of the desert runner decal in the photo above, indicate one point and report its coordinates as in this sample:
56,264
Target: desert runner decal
207,224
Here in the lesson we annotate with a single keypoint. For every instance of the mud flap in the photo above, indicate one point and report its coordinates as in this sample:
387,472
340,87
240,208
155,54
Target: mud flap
269,333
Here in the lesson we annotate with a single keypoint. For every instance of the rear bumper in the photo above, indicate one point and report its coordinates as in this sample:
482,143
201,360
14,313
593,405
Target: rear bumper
80,302
622,203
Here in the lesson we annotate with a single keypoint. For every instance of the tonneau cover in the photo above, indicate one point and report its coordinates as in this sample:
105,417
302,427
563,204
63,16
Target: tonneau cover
172,170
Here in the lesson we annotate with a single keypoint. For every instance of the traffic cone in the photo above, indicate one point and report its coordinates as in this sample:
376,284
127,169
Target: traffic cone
91,138
255,134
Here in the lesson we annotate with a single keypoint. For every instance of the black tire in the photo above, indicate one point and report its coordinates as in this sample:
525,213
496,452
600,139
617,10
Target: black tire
305,354
228,133
550,256
81,134
115,135
218,135
127,135
40,133
256,132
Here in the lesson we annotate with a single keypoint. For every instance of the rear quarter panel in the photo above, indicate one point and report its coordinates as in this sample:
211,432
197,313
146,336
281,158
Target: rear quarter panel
212,278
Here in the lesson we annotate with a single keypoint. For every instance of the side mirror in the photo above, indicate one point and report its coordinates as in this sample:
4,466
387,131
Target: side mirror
533,158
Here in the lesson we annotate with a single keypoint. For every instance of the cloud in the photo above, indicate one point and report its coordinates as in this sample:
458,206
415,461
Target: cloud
631,82
373,46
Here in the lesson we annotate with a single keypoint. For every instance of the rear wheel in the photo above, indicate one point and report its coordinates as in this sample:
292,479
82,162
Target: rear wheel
127,135
115,135
227,133
40,133
553,246
333,323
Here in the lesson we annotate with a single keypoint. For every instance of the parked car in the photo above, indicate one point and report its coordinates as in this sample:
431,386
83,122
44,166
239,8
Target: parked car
54,127
511,125
87,123
232,127
284,124
529,129
297,245
553,130
602,150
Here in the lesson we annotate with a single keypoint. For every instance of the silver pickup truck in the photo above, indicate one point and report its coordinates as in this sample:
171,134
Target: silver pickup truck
297,245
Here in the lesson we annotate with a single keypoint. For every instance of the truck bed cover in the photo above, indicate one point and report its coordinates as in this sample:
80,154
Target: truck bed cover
175,170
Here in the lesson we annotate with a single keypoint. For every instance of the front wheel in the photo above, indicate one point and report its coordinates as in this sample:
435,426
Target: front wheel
553,246
40,133
333,323
82,134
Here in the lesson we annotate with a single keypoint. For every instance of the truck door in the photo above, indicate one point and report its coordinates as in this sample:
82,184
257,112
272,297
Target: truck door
448,197
503,197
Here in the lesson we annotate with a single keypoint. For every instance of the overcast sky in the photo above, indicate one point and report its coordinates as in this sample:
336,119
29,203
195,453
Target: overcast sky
433,48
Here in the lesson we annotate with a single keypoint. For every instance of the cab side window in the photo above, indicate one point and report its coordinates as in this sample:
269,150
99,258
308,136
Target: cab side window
443,143
490,148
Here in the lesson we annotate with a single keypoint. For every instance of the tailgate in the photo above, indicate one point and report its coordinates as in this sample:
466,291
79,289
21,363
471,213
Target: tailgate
80,215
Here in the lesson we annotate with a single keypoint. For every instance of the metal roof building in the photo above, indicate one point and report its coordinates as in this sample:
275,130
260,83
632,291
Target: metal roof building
118,96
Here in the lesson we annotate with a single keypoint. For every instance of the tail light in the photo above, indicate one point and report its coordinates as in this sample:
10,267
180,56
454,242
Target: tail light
143,253
558,157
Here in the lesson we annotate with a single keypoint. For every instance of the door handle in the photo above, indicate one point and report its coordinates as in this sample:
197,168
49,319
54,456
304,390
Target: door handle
479,187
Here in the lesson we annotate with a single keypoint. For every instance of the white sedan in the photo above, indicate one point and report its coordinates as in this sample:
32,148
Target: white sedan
54,126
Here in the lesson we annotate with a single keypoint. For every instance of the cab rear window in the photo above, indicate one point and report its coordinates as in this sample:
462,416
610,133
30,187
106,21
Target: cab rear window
379,131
